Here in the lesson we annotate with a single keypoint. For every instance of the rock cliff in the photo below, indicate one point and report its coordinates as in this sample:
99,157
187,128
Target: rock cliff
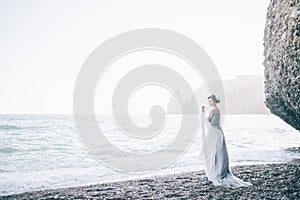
243,95
282,60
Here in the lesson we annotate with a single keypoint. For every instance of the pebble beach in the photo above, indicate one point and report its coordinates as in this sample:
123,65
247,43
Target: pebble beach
270,181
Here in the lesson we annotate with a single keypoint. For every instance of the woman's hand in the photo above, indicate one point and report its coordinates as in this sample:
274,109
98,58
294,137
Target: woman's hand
203,108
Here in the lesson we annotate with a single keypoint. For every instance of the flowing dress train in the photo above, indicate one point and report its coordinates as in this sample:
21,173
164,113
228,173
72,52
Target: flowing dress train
214,152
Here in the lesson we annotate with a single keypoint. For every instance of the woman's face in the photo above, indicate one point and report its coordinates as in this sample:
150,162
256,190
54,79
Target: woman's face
211,102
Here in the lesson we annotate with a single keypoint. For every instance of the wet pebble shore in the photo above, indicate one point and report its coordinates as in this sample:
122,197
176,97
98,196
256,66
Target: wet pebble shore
270,181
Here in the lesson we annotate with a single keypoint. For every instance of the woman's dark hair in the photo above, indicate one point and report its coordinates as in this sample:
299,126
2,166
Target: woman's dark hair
214,98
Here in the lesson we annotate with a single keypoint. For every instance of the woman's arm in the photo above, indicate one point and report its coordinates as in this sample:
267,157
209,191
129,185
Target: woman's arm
210,115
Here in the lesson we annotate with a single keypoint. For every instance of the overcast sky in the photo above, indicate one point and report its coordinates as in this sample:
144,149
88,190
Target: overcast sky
44,43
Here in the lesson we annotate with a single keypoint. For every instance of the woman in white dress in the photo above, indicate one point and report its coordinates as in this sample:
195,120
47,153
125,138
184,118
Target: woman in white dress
214,151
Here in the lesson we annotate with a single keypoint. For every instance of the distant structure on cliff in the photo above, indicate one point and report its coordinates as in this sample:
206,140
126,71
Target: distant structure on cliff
243,95
282,60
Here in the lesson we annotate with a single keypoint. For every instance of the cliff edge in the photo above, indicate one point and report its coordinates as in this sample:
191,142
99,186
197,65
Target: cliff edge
282,60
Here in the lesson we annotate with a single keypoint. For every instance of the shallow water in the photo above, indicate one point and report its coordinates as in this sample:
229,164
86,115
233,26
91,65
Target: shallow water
44,151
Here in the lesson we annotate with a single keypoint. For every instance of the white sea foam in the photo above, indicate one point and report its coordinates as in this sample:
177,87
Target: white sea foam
44,151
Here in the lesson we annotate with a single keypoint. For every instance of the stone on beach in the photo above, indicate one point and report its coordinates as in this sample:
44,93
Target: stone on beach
270,181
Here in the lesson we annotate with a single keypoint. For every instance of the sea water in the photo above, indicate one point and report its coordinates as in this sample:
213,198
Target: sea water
45,151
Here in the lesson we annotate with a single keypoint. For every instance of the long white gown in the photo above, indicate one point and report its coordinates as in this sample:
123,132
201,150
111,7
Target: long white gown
214,152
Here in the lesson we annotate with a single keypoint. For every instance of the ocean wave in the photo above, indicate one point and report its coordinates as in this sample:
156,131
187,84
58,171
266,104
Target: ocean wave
9,127
44,152
293,149
8,150
14,127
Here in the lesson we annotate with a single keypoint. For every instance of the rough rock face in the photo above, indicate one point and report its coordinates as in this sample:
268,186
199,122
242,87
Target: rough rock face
282,60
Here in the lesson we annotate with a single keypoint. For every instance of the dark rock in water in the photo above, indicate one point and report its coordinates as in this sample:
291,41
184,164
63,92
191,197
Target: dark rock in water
282,60
296,161
294,149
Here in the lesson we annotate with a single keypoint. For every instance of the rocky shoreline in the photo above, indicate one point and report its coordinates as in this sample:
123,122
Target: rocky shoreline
270,181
